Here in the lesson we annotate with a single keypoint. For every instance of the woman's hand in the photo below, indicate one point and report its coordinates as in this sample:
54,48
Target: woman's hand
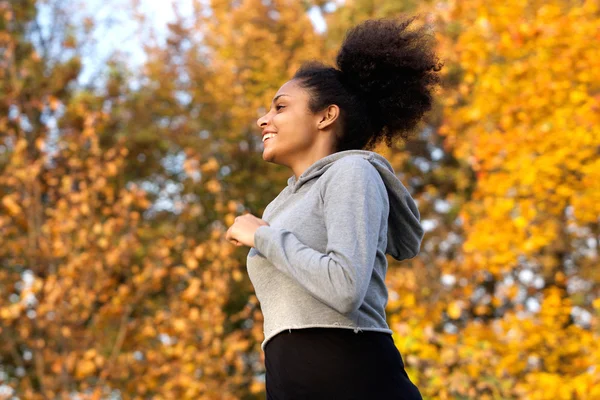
243,229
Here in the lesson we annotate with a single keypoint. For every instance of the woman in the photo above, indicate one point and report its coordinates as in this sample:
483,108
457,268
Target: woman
317,259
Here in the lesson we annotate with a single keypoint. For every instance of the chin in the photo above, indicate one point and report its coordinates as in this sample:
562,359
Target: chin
268,156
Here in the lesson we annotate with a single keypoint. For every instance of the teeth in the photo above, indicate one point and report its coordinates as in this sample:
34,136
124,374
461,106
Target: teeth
268,135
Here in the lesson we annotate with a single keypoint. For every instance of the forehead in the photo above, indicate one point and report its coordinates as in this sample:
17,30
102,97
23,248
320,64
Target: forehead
290,87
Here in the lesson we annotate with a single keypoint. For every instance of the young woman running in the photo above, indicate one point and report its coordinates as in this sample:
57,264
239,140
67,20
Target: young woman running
318,254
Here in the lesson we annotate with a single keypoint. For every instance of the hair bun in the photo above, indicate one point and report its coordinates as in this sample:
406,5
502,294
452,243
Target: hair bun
391,68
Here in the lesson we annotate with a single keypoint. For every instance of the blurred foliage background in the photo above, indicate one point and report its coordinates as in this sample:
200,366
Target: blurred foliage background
115,278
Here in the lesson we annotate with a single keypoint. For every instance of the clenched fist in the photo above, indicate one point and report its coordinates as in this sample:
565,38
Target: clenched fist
243,229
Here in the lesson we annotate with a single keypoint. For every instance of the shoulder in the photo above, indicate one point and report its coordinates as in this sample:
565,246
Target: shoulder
354,167
351,165
350,173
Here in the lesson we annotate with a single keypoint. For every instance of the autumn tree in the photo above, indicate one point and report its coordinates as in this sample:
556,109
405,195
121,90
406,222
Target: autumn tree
108,292
500,301
99,297
525,117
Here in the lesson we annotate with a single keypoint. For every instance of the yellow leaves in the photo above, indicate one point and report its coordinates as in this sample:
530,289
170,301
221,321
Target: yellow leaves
408,300
524,118
577,96
555,309
586,202
520,222
586,385
474,114
548,11
506,40
549,386
454,309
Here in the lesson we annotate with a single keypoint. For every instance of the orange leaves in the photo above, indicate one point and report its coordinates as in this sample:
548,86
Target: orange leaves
190,166
199,251
53,102
255,47
229,219
190,294
84,368
160,297
11,312
10,203
213,186
211,166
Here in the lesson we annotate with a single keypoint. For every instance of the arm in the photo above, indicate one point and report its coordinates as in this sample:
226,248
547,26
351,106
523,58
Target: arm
353,205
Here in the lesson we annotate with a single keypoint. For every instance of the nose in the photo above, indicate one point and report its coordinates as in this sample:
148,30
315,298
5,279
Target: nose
262,121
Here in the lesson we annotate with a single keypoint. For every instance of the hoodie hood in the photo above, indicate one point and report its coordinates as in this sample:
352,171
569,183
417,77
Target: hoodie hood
404,228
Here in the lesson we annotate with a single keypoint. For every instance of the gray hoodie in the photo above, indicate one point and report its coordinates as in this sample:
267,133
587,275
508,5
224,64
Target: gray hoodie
321,262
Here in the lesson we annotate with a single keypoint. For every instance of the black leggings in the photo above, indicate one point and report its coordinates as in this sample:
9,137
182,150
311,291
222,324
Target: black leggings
335,363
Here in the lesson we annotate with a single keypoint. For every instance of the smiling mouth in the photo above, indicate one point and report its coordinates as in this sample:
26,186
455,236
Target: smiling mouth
269,138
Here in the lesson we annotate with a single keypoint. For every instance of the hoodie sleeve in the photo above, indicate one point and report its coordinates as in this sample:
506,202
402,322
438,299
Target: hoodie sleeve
353,207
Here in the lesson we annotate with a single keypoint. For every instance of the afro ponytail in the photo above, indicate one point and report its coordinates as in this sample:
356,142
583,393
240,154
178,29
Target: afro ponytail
383,83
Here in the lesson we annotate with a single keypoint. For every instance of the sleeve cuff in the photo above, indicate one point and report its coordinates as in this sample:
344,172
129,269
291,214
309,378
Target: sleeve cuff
261,238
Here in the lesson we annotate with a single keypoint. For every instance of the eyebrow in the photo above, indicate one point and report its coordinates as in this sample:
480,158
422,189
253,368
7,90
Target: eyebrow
278,96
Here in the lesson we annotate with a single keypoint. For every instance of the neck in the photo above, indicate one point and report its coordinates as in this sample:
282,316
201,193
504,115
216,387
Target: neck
318,151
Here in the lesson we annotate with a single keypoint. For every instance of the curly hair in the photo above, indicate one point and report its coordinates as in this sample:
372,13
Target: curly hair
383,82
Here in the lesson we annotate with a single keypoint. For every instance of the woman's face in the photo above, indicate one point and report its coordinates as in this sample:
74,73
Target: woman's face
294,126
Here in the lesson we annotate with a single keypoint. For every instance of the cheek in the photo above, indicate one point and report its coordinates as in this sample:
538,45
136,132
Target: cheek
283,120
291,124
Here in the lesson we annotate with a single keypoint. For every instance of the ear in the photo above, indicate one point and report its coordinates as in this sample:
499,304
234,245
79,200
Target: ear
328,116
